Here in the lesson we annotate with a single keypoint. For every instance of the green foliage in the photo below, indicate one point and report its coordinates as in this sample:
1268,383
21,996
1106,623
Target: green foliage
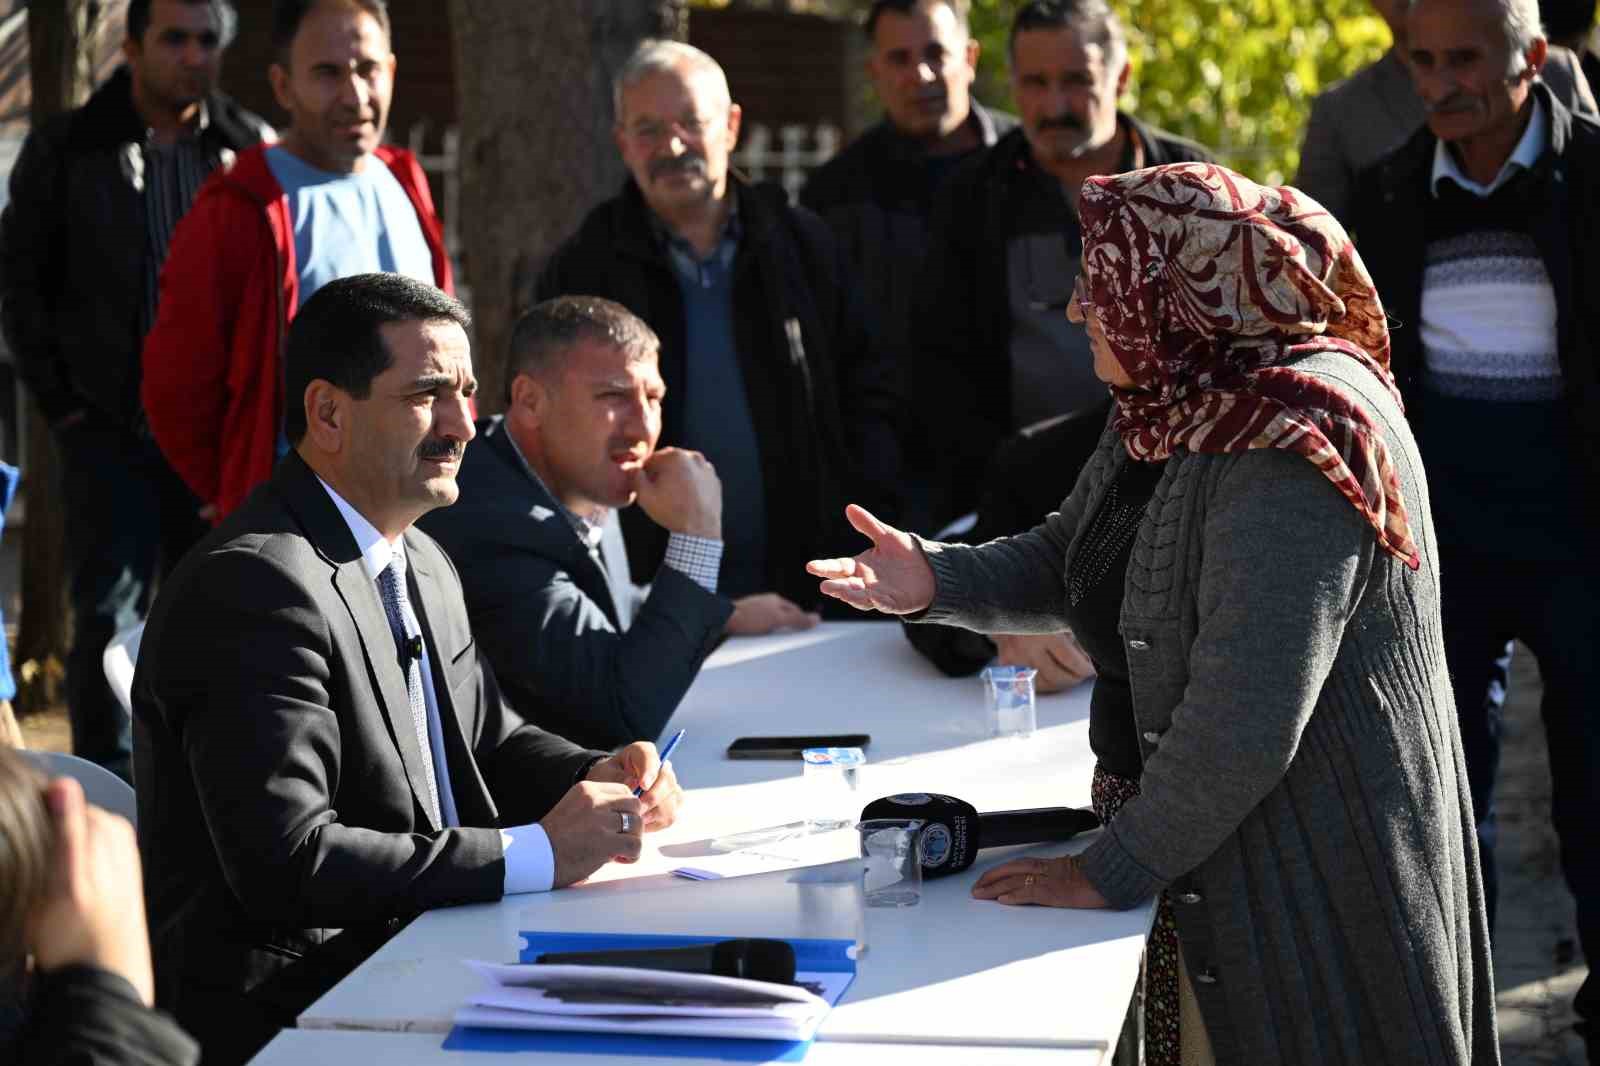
1236,75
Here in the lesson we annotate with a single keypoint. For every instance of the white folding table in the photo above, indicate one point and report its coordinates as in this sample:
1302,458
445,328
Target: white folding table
950,971
321,1047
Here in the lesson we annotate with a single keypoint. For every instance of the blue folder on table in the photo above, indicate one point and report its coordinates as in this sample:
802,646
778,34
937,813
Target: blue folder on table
815,956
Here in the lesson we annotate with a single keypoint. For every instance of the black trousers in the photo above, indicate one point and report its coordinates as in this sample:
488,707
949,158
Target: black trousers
129,519
1555,610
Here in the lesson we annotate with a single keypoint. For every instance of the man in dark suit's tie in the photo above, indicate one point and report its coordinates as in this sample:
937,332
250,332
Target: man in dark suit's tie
408,642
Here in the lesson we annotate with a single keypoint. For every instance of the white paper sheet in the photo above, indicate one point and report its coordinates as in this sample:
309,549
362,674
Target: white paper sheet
527,997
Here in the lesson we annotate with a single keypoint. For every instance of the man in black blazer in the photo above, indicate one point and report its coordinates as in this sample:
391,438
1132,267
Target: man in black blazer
320,751
578,646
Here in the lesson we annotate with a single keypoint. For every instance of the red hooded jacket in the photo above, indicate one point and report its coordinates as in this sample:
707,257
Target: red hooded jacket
213,375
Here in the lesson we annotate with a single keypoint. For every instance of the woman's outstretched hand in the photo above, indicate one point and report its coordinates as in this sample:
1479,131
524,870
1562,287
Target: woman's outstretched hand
893,576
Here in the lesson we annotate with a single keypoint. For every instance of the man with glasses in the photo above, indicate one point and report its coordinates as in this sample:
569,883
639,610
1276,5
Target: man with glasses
767,362
994,350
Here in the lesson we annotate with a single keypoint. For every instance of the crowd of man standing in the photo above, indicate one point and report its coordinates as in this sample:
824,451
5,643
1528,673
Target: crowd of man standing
245,339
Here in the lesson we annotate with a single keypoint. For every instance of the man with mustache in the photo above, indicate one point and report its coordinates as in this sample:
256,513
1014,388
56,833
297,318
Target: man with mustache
321,751
95,196
877,193
1480,233
329,201
769,369
994,349
577,646
1359,120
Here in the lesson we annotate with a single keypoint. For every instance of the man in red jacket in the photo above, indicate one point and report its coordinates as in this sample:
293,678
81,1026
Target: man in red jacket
328,201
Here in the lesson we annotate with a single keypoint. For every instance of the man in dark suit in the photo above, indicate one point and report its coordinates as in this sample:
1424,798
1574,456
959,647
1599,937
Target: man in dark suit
320,751
578,646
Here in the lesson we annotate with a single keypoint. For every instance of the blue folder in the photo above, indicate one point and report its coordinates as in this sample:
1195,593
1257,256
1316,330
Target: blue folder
816,956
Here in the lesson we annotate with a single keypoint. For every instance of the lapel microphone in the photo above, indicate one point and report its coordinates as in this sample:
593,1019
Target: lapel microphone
411,650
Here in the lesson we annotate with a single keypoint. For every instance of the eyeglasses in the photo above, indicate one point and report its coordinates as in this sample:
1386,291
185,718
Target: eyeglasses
1079,297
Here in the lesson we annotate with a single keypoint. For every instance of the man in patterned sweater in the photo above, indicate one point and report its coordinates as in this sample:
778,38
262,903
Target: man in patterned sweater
1480,232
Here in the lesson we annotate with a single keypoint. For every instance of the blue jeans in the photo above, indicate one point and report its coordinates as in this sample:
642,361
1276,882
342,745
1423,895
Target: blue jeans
129,519
1554,609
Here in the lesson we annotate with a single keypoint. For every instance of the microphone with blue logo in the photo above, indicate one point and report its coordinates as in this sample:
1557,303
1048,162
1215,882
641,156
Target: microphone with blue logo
954,829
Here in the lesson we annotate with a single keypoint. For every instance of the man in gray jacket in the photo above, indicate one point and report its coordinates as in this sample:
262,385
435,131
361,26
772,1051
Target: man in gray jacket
576,645
1358,121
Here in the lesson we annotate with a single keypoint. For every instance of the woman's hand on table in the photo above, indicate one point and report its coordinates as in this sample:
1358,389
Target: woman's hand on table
892,576
1040,882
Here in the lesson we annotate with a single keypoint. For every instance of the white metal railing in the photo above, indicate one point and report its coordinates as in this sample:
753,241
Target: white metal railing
790,157
444,174
798,151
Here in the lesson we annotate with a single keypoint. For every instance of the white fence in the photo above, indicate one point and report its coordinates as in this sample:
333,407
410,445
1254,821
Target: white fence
798,151
789,157
444,174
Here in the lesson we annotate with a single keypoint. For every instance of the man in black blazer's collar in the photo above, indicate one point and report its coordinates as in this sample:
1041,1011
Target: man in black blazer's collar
320,752
578,646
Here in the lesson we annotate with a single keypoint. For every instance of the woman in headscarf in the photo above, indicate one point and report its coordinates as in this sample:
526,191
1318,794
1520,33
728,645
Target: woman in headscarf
1248,560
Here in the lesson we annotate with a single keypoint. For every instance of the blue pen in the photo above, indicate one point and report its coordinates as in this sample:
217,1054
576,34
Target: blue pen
666,753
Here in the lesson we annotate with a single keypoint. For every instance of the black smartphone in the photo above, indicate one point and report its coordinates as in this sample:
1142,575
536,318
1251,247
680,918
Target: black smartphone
791,747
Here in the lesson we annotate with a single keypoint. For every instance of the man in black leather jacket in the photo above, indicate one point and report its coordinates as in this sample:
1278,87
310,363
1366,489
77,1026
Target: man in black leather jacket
993,350
95,196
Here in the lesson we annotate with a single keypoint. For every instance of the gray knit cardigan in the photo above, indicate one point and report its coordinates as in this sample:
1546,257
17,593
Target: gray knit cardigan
1304,799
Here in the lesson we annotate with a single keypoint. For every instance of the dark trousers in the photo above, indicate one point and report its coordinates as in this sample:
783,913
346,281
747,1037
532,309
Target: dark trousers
1555,610
129,519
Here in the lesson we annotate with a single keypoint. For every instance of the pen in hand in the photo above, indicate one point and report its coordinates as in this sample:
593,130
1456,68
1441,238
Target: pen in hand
666,753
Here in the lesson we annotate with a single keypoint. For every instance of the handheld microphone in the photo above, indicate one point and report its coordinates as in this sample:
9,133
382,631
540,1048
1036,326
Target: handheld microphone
752,959
955,830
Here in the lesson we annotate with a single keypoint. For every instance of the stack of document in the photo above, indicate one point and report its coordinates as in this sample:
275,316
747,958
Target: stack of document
622,999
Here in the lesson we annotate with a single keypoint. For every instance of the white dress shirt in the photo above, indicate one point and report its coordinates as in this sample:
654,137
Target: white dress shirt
1527,152
530,861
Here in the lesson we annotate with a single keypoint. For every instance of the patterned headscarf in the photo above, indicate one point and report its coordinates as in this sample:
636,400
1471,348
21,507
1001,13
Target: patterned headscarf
1207,285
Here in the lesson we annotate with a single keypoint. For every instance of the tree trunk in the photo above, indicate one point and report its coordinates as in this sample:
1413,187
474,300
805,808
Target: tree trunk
534,84
59,34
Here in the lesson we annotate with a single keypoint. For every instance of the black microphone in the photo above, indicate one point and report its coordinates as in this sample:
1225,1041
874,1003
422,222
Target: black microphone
752,959
411,650
955,830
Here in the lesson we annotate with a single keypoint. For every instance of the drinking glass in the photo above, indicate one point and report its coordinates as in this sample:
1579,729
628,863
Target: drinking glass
1009,693
892,850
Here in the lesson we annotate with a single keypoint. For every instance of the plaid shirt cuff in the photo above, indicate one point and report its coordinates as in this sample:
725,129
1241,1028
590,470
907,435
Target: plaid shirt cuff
696,558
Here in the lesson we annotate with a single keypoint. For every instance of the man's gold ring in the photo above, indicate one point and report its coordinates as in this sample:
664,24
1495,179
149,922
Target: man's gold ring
1027,882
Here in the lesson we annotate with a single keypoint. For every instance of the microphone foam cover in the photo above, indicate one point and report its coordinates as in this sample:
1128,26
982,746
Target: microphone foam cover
949,840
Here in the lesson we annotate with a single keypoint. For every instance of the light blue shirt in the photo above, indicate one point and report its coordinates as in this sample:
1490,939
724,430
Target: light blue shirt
1527,152
347,224
530,861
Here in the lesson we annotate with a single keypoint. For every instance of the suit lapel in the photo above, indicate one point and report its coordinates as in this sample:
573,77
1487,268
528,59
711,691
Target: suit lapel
325,528
549,528
428,595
